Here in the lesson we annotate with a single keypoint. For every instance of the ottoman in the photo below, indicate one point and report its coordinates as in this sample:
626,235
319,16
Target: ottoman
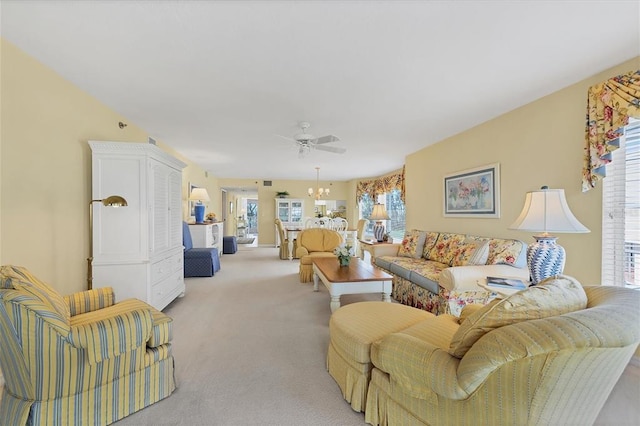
352,330
229,245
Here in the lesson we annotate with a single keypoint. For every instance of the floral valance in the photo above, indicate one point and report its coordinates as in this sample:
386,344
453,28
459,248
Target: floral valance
381,185
609,106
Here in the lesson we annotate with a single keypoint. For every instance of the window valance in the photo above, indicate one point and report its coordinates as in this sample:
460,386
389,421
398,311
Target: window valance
381,185
609,106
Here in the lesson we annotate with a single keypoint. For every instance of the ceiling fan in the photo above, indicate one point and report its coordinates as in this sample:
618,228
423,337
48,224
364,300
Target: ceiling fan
306,142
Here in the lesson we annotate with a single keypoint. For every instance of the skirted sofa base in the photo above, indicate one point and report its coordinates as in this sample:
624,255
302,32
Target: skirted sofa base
444,302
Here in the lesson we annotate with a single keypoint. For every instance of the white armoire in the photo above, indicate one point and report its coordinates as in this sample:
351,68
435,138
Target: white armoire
137,249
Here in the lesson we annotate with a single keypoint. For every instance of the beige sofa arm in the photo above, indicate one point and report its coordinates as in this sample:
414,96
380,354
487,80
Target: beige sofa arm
465,278
421,368
385,250
301,251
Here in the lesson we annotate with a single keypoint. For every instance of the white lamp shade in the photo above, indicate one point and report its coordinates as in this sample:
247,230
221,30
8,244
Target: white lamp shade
547,210
379,212
199,194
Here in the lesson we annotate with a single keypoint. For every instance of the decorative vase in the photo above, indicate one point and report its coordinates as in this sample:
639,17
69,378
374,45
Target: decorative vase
545,258
344,261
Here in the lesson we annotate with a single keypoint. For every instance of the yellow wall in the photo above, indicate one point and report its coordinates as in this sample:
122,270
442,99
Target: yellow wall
538,144
45,167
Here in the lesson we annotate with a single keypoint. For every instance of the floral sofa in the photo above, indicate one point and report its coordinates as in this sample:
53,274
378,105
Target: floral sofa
439,271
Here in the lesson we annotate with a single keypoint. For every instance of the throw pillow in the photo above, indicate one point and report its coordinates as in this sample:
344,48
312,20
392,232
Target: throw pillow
553,296
506,252
444,249
412,244
429,242
471,252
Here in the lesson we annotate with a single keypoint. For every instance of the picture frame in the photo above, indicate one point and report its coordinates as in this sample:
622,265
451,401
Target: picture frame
473,192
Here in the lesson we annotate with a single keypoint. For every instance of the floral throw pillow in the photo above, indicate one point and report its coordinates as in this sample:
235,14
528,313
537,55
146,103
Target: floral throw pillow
505,252
412,244
471,253
445,248
429,242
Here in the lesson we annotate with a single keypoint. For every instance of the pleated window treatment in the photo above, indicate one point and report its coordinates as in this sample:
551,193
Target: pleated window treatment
381,185
609,106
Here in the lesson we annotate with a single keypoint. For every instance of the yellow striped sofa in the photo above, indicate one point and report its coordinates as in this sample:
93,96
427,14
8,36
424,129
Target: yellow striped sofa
547,355
81,359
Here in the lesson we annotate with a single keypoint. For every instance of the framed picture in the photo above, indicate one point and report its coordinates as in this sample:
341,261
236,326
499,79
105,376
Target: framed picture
473,192
192,204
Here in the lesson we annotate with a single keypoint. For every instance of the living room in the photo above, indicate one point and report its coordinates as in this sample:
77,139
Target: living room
46,170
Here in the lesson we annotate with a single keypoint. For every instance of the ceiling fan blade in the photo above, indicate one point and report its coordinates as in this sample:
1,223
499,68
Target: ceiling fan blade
287,138
326,139
335,149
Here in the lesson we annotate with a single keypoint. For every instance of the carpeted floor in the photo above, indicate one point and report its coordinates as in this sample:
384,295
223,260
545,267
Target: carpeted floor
250,349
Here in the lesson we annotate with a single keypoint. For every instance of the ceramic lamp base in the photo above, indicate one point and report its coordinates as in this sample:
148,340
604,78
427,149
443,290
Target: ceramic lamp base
378,231
199,211
545,258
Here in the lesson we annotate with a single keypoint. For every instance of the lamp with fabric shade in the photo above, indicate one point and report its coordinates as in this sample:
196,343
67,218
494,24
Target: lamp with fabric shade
379,214
546,211
199,195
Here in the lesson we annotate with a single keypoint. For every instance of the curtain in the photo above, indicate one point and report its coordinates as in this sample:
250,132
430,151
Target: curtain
381,185
609,106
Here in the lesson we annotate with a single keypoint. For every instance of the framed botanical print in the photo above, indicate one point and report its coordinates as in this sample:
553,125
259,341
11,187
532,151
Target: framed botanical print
473,193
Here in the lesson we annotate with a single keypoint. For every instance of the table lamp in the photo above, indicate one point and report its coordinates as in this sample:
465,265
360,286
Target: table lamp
379,214
199,195
546,211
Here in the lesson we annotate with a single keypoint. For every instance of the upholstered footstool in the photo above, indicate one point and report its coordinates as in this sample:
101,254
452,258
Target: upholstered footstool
352,330
229,244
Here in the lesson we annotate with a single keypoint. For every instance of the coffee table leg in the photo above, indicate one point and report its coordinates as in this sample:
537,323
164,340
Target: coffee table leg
315,281
335,302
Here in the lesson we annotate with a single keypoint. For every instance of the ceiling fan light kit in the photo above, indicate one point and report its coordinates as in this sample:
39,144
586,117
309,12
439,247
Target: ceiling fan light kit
306,142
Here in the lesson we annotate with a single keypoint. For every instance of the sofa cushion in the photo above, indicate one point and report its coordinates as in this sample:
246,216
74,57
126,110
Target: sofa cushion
412,244
471,252
384,262
424,282
552,297
446,247
400,270
429,242
507,252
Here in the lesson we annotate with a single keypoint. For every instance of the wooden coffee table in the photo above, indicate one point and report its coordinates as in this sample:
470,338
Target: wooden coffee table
357,278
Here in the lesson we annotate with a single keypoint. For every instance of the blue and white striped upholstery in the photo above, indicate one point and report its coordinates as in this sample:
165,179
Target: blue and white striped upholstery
81,359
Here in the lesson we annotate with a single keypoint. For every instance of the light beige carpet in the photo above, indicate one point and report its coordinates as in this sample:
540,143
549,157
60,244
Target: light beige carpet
250,347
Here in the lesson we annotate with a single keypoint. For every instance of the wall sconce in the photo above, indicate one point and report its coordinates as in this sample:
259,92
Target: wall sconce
111,201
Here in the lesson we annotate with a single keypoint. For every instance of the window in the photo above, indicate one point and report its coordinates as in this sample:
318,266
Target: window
395,209
621,212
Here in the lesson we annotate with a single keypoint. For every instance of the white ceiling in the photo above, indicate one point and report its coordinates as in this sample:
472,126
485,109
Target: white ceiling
217,80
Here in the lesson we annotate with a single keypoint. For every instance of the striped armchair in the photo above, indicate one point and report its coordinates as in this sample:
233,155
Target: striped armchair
81,359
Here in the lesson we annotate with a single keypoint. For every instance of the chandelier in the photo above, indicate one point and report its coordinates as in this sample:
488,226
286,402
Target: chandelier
319,192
